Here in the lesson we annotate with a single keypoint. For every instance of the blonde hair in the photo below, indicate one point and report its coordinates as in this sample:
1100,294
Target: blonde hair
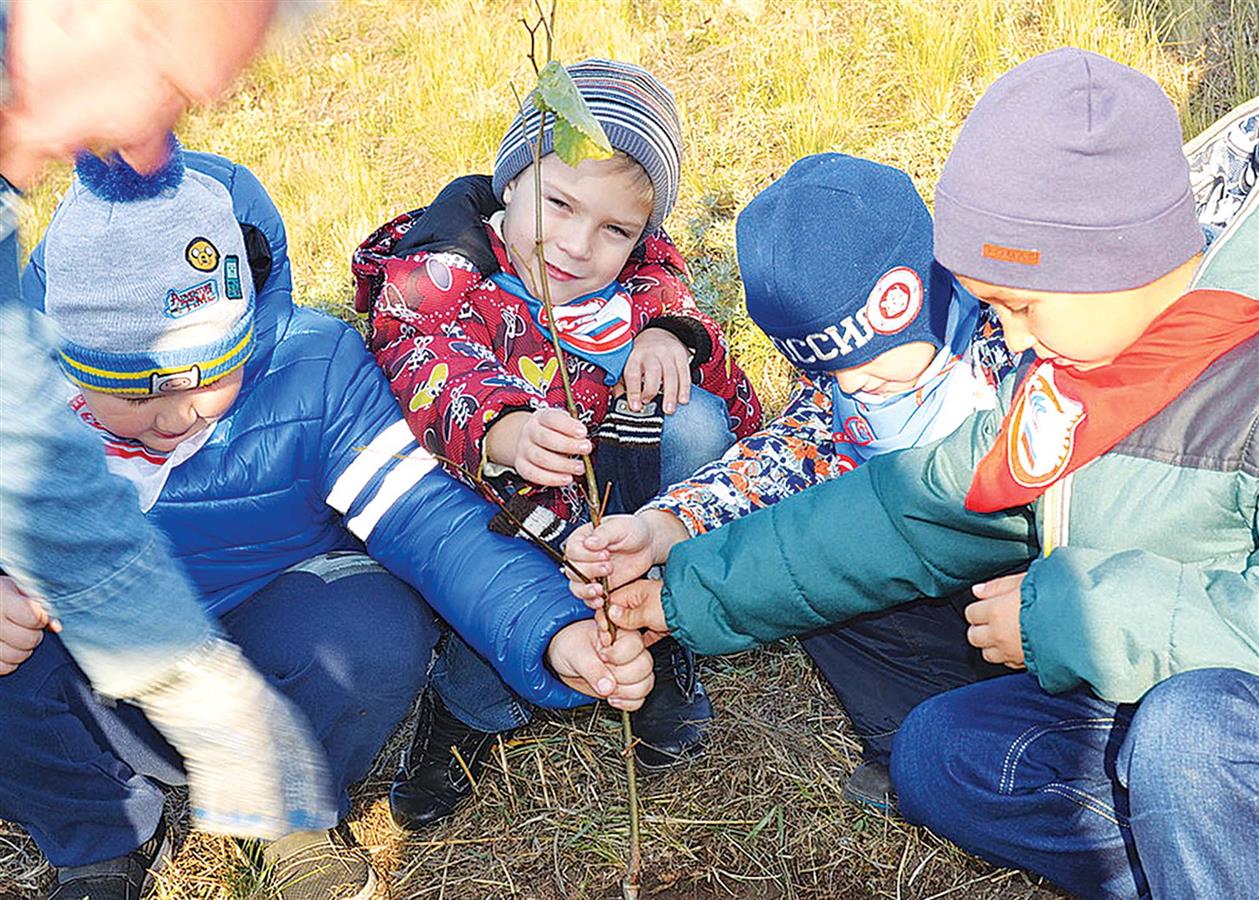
643,188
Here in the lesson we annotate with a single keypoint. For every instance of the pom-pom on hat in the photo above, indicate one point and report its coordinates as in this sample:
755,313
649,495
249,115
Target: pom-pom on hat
1068,175
638,115
148,280
836,262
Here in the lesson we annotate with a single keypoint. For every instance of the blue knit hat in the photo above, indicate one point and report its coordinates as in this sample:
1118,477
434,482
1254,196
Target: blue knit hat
148,281
638,115
836,262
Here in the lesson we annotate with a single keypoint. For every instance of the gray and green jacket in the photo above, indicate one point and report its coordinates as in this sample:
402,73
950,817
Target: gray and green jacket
1155,568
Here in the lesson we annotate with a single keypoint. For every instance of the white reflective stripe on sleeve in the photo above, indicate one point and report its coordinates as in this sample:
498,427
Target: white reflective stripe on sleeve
369,460
406,475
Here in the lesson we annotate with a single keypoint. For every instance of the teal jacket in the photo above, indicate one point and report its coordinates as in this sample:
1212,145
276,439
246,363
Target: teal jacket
1155,568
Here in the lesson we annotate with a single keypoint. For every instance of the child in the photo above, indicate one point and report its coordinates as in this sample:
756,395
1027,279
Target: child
264,443
465,344
836,262
1121,465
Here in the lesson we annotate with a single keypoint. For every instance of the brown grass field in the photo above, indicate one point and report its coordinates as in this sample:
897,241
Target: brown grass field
373,105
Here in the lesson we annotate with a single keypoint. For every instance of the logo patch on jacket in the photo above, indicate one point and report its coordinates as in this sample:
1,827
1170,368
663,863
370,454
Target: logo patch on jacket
181,303
599,325
1042,430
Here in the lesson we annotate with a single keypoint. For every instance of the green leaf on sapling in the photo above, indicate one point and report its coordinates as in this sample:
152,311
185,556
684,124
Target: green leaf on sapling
578,134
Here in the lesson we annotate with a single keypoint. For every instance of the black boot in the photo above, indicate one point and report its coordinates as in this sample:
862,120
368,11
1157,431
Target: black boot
430,784
670,724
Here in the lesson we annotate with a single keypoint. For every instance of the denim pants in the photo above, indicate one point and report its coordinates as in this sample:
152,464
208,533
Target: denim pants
1155,799
345,641
71,532
697,433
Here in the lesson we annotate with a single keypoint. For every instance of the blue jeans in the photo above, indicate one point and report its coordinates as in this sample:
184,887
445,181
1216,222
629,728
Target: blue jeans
696,434
1156,799
345,641
69,530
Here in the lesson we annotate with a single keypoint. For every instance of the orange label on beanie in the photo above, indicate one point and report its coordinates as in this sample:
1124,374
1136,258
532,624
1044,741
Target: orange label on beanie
1011,254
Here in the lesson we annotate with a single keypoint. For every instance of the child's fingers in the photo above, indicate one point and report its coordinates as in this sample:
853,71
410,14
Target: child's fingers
627,647
684,378
632,375
559,420
590,668
980,636
634,606
25,612
979,612
561,442
653,377
669,387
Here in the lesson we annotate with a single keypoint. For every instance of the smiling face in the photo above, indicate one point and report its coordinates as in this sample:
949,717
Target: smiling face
592,217
164,421
893,372
1078,330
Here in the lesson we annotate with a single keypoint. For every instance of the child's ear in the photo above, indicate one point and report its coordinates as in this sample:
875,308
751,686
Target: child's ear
509,190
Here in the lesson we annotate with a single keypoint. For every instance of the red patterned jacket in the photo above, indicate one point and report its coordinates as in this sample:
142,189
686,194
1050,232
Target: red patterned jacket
459,352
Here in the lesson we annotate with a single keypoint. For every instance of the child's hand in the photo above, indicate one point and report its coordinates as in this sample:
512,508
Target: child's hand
637,605
22,624
623,548
994,620
658,364
542,446
620,673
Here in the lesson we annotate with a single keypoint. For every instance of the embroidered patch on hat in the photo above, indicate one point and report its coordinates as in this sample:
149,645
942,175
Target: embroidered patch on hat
895,300
1042,430
181,303
1011,254
202,255
231,278
169,382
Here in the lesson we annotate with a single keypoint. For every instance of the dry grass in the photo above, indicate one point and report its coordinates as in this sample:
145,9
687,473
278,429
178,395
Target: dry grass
379,102
759,816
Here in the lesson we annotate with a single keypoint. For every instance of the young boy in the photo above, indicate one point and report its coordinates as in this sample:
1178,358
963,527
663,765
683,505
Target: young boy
836,262
1122,466
465,343
264,443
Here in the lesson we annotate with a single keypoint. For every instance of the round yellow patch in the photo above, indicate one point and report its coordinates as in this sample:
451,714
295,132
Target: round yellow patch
202,255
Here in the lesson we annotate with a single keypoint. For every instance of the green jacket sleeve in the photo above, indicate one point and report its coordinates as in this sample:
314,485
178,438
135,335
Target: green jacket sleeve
1123,622
892,531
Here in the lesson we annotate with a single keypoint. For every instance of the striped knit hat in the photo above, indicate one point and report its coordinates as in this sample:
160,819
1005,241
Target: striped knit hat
148,281
636,111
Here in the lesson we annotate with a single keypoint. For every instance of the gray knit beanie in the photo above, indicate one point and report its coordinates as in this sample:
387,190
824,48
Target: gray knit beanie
638,115
1067,176
148,281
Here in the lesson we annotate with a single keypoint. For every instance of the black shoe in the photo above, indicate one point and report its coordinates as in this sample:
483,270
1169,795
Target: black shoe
318,865
670,725
430,784
123,878
870,784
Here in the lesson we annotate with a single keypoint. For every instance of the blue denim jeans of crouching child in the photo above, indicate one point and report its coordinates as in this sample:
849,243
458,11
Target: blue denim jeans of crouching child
696,434
70,531
343,640
1154,799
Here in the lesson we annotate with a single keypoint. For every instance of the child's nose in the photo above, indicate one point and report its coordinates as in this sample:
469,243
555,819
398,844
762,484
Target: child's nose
575,241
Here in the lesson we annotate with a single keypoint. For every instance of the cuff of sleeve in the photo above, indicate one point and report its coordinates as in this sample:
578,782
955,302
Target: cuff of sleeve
1053,678
690,332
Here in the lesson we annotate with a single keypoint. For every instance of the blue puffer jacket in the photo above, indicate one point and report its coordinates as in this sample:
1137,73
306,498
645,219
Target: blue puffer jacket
315,456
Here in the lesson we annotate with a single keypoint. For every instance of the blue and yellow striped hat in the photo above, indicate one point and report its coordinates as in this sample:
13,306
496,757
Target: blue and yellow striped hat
148,281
